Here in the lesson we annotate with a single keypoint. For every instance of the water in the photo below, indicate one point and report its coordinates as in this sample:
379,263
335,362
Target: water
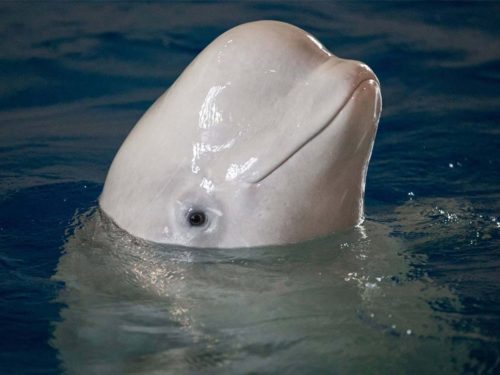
413,290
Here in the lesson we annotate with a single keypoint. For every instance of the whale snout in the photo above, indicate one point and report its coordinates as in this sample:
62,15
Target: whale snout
347,77
363,94
342,89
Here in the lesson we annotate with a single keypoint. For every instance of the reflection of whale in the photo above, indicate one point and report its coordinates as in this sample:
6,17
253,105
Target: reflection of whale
264,139
341,302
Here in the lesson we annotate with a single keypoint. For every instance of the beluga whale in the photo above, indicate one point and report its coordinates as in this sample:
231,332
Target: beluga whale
264,139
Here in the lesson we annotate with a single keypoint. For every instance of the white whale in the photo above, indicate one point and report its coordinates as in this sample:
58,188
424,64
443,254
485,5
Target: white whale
265,138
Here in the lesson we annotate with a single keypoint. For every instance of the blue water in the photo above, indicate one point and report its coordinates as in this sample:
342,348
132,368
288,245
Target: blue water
74,79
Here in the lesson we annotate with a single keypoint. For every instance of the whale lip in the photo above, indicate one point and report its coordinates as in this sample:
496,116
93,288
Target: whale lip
371,78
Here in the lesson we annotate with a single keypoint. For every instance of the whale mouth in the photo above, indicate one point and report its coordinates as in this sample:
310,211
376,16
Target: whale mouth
371,80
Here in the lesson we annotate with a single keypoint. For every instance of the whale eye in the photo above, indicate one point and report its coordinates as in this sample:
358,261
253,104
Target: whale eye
197,218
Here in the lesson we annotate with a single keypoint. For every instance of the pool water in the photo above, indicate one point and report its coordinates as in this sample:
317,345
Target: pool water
415,289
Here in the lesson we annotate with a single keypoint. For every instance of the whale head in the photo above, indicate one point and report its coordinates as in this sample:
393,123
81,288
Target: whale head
265,138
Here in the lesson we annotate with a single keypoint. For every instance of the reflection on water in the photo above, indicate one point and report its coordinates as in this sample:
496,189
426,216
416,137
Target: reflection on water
345,302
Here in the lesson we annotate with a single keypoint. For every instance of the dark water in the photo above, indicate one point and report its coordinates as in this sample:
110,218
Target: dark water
415,290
